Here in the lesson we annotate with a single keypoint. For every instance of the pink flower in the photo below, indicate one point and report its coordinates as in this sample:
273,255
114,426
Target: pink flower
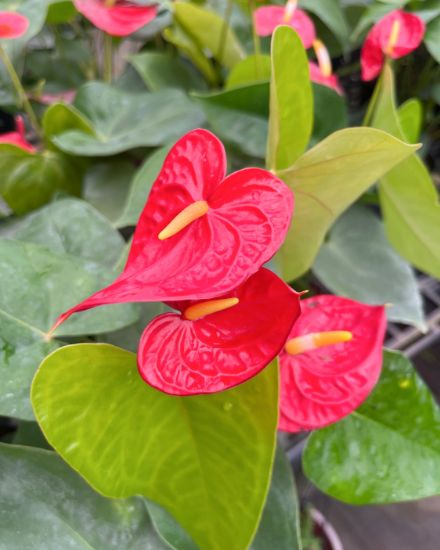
12,25
395,35
267,18
18,138
322,72
116,17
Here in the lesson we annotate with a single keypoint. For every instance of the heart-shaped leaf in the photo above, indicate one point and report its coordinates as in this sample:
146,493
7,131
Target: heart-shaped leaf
357,261
213,478
386,451
45,505
328,179
123,121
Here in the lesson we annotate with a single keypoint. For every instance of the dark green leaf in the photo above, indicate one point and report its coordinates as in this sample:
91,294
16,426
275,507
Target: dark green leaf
330,113
331,13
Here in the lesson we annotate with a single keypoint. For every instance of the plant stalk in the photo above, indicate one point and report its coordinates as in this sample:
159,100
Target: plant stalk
224,32
22,97
108,58
256,41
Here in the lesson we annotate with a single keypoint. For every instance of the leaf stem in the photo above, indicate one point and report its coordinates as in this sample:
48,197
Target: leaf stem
256,40
23,99
224,32
108,58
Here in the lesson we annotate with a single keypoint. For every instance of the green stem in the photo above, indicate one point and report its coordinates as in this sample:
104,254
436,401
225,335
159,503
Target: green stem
224,33
256,40
108,58
24,101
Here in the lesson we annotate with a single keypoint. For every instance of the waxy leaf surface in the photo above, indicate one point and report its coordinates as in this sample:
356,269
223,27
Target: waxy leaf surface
322,386
388,450
249,213
328,179
123,121
116,431
47,506
223,349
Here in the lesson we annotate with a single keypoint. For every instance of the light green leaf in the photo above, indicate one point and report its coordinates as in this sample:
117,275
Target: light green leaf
410,117
331,13
206,28
291,100
47,506
432,41
408,197
386,451
214,476
30,180
140,187
239,116
326,181
164,70
252,69
123,121
358,262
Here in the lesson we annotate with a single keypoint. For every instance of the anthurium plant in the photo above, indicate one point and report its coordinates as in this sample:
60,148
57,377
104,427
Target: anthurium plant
174,178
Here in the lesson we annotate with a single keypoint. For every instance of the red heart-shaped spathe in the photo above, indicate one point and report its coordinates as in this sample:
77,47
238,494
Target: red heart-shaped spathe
267,18
411,30
322,386
121,19
331,81
223,349
18,138
249,215
12,25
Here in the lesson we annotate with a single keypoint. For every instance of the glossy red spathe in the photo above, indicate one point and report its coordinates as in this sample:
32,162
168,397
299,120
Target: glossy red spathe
120,19
267,18
12,25
322,386
395,35
248,216
223,349
331,81
18,138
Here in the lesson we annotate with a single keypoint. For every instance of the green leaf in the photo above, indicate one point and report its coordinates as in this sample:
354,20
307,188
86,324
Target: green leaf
408,197
123,121
279,527
213,478
326,181
47,506
239,116
252,69
60,118
410,117
206,28
331,13
140,187
106,186
60,11
386,451
431,38
169,530
30,180
330,113
358,262
164,70
291,100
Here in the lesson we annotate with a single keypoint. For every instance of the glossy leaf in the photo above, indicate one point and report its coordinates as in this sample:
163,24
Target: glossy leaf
140,187
291,100
164,70
206,28
60,118
431,38
45,505
330,113
332,14
216,496
408,197
388,450
30,180
250,70
410,117
239,117
357,261
328,179
123,121
246,218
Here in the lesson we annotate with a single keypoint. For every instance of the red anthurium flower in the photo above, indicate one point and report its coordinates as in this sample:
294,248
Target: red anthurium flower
395,35
12,25
49,99
267,18
331,361
116,17
214,345
18,138
200,234
322,73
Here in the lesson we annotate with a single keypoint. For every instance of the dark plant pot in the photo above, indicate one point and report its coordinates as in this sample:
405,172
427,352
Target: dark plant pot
325,531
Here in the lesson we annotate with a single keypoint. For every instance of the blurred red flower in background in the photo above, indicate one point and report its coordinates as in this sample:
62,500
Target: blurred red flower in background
12,25
18,138
322,72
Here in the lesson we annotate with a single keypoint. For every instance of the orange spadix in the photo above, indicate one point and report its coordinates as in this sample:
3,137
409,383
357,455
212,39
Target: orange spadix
394,35
323,57
196,311
315,340
189,214
289,10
